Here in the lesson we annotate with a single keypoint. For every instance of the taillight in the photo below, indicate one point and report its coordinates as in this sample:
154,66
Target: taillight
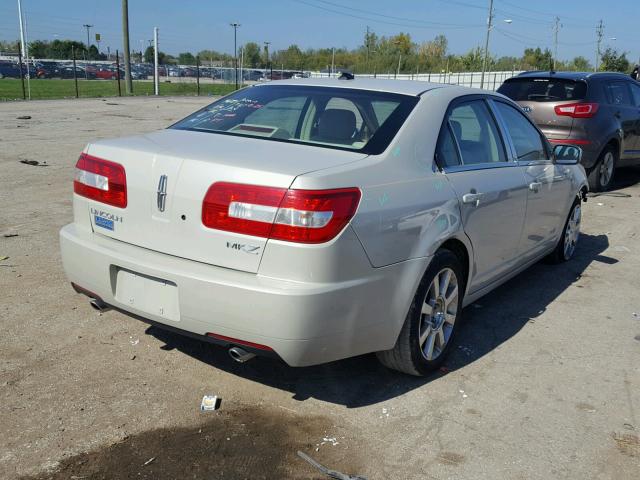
101,180
577,110
304,216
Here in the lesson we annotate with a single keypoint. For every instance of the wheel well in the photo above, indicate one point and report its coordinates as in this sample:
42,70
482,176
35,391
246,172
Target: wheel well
614,142
459,250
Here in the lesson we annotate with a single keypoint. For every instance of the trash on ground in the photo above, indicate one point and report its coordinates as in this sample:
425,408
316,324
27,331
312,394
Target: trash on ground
134,342
34,163
24,117
149,461
332,440
329,473
209,403
3,258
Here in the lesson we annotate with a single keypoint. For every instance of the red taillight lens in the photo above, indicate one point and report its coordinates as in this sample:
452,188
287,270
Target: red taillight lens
247,209
101,180
304,216
314,216
577,110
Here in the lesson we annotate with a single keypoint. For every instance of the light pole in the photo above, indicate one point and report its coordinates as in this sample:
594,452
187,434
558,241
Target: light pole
88,27
266,49
235,26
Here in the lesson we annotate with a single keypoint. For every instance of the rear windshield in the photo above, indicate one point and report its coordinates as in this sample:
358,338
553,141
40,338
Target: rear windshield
342,118
543,89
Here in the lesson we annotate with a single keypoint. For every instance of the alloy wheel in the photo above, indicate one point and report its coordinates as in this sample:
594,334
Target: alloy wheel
439,313
572,233
606,169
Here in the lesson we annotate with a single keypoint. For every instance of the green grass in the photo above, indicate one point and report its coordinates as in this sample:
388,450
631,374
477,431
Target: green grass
11,89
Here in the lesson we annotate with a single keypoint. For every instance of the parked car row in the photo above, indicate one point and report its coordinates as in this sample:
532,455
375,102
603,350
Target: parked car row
140,71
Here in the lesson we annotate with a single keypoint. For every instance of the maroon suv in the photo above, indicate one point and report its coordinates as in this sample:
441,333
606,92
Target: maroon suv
600,112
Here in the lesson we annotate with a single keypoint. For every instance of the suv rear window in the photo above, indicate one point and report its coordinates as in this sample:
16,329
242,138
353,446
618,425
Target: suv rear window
543,89
342,118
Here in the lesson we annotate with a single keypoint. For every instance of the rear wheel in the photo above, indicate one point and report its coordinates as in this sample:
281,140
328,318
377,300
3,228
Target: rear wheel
601,176
430,325
567,244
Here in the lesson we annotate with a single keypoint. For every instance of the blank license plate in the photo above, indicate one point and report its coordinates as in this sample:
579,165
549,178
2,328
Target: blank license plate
148,294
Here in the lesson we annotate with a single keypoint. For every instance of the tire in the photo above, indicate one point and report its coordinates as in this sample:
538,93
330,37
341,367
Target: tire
566,246
602,173
436,316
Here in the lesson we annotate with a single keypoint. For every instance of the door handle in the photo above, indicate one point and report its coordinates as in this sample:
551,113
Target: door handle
534,186
472,198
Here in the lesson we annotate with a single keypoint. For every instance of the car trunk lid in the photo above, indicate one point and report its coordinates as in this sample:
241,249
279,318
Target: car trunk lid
168,174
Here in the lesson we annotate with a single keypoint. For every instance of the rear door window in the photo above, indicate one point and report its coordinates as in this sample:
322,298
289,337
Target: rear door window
618,93
543,89
476,134
635,92
447,152
526,139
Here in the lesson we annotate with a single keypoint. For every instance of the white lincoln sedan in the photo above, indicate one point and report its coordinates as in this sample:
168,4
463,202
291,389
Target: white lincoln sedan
318,219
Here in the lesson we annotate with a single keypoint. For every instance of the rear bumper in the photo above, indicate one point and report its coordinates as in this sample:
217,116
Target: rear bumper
304,323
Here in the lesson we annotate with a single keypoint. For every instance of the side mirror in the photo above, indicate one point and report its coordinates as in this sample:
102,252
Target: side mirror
567,154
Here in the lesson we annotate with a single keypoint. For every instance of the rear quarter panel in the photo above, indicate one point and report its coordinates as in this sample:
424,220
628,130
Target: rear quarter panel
407,208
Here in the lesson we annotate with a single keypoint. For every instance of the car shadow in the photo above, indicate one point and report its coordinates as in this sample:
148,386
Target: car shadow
362,381
626,177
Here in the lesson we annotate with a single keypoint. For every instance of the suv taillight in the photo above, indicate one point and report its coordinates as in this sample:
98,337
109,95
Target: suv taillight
577,110
303,216
101,180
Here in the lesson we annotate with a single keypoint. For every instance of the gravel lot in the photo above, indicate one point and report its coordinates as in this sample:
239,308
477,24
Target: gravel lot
544,382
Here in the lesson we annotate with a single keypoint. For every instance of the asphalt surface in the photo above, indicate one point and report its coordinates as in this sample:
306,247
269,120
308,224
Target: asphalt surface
544,382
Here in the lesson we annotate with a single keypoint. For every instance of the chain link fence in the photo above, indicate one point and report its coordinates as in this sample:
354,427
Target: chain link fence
47,79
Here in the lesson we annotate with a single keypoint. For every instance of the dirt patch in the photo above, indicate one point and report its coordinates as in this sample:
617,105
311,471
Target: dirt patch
628,444
241,444
450,458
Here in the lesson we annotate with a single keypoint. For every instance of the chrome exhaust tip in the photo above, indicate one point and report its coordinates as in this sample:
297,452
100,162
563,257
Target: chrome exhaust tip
240,355
99,305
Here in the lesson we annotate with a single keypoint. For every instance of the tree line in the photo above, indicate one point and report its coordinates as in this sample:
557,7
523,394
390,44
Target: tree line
397,53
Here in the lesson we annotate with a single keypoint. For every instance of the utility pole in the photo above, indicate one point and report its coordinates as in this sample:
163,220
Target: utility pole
367,45
24,46
241,66
235,26
127,57
156,78
599,35
486,43
556,28
333,61
268,62
88,27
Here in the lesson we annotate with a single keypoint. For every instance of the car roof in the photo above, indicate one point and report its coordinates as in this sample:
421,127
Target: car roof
570,75
403,87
